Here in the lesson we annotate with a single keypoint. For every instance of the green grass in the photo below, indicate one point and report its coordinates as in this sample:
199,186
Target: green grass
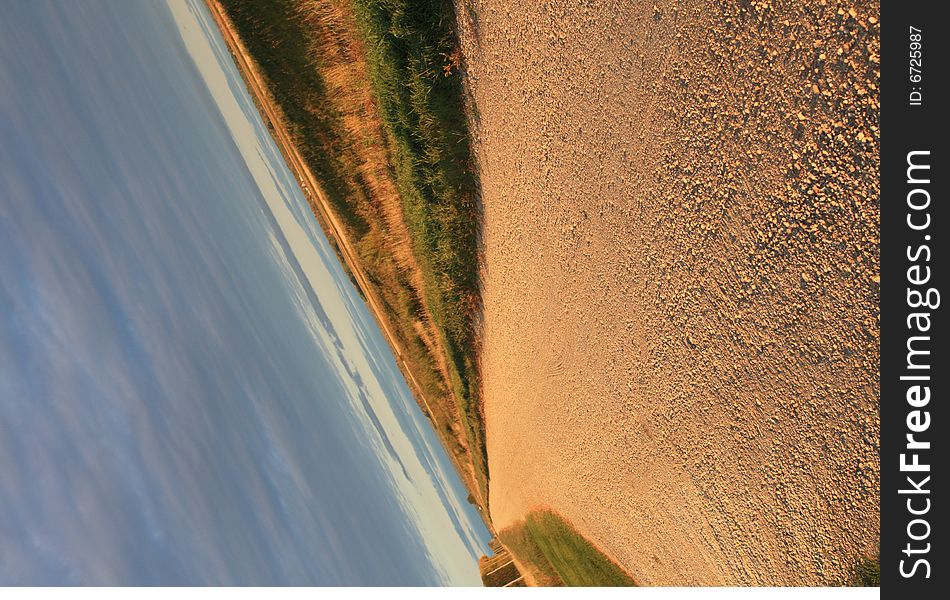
868,573
519,542
560,555
413,61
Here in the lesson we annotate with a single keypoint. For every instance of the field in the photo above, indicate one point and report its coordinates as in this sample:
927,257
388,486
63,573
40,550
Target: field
383,132
557,555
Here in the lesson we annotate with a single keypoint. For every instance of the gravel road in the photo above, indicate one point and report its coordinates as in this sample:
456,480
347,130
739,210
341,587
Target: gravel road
681,318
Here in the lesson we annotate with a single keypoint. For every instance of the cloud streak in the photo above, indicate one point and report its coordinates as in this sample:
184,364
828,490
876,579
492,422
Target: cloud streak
190,389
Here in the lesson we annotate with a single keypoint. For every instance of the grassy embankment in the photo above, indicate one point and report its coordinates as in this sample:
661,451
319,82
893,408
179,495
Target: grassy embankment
414,61
371,95
556,554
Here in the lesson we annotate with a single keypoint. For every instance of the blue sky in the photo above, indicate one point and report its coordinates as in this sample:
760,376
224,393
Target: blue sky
191,391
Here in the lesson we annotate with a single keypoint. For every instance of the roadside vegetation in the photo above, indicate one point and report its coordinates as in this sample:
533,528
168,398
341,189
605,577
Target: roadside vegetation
414,65
868,573
556,554
371,93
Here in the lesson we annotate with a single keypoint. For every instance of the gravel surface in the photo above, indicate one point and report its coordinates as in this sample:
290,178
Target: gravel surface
681,332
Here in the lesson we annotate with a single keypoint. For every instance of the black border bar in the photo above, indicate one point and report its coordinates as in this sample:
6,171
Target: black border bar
913,105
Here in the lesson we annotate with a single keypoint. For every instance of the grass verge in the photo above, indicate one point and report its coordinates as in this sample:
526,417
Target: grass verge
414,62
558,555
371,95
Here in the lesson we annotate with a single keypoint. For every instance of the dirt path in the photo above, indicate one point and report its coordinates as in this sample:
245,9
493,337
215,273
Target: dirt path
681,241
